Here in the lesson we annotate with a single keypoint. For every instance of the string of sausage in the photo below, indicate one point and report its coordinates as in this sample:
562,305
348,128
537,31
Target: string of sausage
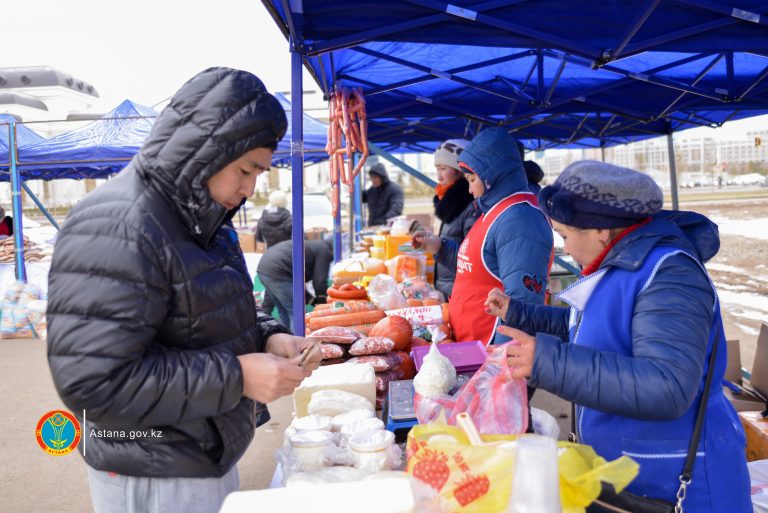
347,134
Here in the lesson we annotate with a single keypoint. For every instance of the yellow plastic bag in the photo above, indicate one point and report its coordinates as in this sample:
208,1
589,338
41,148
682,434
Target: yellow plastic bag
467,478
471,479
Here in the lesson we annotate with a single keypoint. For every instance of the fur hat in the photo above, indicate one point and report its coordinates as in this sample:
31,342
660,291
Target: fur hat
591,194
447,154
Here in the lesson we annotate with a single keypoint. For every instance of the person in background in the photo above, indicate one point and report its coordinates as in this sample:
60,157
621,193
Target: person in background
453,206
275,222
533,172
274,226
276,273
6,224
509,246
152,327
632,351
384,198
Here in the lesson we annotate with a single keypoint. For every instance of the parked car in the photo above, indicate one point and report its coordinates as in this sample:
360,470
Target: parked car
317,211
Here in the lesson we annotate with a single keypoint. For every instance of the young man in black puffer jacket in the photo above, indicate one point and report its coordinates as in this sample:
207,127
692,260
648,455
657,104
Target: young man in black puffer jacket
152,328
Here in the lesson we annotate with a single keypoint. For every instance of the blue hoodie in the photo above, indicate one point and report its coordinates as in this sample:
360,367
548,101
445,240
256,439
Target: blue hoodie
519,244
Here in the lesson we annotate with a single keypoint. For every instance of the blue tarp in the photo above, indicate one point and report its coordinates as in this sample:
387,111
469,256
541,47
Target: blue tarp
105,146
97,150
24,136
569,74
315,137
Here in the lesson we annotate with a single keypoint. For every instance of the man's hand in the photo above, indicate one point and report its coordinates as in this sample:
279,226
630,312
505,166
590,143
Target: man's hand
426,241
290,346
497,303
520,351
267,377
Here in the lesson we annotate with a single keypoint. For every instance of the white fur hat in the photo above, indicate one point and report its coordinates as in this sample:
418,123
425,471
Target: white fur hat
447,154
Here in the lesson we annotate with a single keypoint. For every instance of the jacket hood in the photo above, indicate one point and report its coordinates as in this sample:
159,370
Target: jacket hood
379,170
216,117
689,231
493,156
275,216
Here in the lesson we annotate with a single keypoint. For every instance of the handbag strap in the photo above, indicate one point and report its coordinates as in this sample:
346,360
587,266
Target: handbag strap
687,473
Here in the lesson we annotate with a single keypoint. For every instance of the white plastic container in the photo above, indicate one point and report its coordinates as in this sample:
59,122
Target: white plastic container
371,450
308,423
309,449
339,421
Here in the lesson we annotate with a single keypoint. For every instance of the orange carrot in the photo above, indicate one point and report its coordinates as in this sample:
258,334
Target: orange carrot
349,308
349,319
446,315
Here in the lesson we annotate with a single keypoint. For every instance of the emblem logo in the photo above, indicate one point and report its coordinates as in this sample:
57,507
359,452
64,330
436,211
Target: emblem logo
58,432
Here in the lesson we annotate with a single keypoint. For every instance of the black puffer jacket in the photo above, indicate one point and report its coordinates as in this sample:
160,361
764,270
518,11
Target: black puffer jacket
384,202
274,226
149,298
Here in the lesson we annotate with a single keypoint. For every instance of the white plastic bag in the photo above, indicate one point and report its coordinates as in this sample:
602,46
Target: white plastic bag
758,475
384,293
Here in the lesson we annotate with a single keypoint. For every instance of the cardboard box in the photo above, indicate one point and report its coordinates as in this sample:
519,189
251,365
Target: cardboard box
756,428
425,220
248,242
748,400
733,367
315,233
759,379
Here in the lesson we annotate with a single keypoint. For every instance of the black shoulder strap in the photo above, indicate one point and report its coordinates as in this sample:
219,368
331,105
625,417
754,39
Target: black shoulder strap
697,427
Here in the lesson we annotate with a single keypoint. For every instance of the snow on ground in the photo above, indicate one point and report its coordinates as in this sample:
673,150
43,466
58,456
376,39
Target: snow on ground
752,228
747,329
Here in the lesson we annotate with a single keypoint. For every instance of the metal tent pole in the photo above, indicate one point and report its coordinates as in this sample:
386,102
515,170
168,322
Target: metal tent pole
358,202
297,190
40,205
672,171
399,163
355,159
337,249
18,235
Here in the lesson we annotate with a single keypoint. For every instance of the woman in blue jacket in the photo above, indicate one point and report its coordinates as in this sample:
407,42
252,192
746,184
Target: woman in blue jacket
509,245
642,322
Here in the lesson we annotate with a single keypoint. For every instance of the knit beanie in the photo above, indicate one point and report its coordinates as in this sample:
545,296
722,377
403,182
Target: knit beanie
591,194
278,199
447,154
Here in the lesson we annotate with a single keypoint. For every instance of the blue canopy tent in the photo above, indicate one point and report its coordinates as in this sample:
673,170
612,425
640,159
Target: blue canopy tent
315,137
582,73
97,150
24,136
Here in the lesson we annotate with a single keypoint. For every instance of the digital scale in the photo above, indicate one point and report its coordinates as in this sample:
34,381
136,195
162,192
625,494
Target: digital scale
398,412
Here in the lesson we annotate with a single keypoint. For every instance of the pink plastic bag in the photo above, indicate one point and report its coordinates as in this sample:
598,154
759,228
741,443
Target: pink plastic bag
497,402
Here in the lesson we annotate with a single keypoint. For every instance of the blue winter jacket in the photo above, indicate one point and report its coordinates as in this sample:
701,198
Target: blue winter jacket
519,244
641,330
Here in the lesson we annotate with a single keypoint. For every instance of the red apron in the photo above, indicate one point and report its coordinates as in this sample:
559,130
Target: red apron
474,280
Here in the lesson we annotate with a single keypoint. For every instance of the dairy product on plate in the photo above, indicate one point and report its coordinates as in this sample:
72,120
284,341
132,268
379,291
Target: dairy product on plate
358,379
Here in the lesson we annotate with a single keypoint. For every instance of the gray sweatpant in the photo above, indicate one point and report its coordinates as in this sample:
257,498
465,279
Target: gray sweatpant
113,493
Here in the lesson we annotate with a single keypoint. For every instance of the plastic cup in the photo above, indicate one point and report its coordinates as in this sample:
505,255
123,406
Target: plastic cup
535,487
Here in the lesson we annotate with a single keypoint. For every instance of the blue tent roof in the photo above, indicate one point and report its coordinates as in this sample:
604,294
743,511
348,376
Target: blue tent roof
24,135
569,74
97,150
315,137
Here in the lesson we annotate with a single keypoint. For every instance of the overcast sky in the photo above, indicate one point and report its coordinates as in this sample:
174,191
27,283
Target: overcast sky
145,50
